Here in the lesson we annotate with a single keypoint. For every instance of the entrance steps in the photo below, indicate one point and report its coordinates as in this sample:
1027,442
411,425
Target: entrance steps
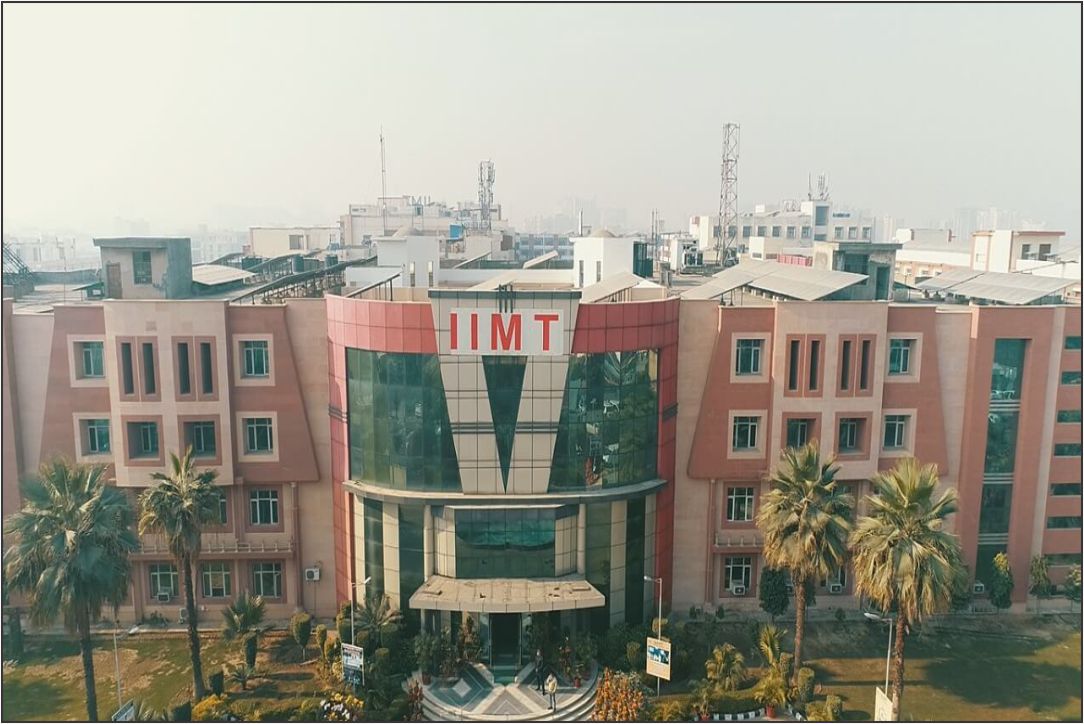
476,697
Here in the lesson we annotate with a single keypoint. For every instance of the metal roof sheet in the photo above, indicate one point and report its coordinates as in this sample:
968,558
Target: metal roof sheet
548,256
947,279
791,280
609,286
212,274
1011,288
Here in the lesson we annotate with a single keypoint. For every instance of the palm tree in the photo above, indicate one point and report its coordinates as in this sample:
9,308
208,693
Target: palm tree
805,520
726,667
69,552
242,621
903,560
769,644
376,614
178,507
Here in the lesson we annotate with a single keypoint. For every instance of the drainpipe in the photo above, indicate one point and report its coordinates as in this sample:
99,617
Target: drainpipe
709,569
300,573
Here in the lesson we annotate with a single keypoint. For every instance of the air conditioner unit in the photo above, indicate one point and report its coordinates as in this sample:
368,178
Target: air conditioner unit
835,588
164,596
737,590
312,574
182,615
979,587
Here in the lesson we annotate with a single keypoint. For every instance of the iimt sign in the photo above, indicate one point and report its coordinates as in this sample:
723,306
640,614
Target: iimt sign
488,331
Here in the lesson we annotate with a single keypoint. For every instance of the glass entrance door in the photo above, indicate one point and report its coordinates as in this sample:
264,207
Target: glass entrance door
504,644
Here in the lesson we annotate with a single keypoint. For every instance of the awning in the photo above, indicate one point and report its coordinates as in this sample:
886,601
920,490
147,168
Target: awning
506,595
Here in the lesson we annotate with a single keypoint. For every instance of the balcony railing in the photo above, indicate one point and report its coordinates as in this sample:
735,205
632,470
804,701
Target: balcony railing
231,545
738,539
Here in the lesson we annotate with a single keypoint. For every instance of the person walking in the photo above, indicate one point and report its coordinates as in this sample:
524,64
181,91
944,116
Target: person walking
538,664
551,690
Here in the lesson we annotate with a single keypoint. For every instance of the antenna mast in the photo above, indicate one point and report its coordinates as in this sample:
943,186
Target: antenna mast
486,176
728,195
383,185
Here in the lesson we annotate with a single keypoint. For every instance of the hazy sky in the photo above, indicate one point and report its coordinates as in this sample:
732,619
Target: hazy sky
248,114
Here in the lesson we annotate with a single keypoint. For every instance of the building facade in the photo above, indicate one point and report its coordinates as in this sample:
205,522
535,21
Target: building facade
505,455
126,383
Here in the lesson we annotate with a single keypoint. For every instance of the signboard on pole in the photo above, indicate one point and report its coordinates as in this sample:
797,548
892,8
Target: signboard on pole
658,658
882,708
353,660
126,712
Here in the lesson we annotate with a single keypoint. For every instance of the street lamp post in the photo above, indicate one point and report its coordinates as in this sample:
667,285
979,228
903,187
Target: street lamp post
891,629
353,637
652,579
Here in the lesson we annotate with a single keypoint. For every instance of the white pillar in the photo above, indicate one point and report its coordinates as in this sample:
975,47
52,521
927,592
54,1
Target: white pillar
581,541
427,542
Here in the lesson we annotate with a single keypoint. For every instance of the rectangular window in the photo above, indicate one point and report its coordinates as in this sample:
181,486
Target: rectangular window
201,437
267,580
777,231
838,232
126,368
217,579
792,364
739,504
738,571
295,241
845,366
141,267
867,233
762,231
1007,370
256,359
814,364
747,231
1001,442
1071,378
852,232
143,439
581,273
1063,521
850,429
223,508
264,507
790,232
748,361
163,579
598,271
258,438
820,215
1072,342
745,433
91,358
994,509
863,369
206,373
895,432
798,432
1069,416
899,356
96,437
184,376
149,381
1067,450
805,232
1062,559
1059,489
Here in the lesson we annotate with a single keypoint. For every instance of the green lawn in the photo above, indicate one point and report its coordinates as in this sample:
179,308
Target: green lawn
992,668
47,684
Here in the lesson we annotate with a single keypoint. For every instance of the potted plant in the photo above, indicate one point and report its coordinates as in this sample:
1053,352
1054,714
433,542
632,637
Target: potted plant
771,691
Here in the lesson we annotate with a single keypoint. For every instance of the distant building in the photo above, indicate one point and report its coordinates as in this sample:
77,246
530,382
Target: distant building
146,267
925,253
272,241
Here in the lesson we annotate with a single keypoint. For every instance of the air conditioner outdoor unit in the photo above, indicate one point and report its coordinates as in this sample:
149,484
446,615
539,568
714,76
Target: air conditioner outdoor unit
979,587
182,615
165,596
312,574
835,588
738,590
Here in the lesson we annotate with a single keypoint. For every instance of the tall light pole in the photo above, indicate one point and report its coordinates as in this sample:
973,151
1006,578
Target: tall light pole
353,604
891,627
658,633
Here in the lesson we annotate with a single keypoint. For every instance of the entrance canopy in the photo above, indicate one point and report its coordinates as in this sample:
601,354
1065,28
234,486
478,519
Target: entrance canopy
506,595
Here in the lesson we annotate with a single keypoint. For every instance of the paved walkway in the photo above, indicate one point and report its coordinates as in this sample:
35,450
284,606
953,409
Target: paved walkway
476,696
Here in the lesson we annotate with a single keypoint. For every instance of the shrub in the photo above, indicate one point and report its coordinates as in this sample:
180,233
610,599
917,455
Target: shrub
1073,583
634,655
773,592
620,697
181,712
804,685
213,708
298,709
786,665
217,680
694,613
841,615
1002,584
834,705
342,707
671,710
719,613
301,630
342,622
321,639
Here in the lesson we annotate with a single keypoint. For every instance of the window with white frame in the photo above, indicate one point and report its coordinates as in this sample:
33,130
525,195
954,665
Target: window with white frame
91,359
895,436
745,432
850,429
96,437
217,579
899,356
222,508
739,504
748,356
163,579
737,571
264,507
256,359
143,439
258,438
836,577
798,431
201,436
267,580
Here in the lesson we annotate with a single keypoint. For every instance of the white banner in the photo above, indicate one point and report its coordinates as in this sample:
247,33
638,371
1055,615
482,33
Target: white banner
882,708
658,658
488,331
353,657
